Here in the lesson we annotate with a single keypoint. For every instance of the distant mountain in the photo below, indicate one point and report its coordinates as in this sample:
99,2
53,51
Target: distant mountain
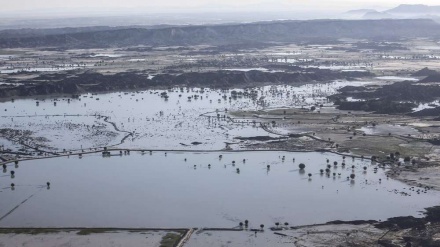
357,13
403,11
377,15
360,11
415,9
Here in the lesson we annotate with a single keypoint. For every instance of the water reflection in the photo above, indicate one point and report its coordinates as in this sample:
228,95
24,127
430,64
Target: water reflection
167,191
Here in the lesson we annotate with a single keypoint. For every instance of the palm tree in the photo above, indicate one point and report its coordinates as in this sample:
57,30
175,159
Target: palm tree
352,176
261,226
277,224
302,166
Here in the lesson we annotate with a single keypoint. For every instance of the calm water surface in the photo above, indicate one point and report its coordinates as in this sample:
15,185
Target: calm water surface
164,190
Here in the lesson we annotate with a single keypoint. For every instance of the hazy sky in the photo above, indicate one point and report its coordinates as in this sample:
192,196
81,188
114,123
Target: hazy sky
157,5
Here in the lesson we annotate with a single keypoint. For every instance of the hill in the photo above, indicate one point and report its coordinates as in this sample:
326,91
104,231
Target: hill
264,32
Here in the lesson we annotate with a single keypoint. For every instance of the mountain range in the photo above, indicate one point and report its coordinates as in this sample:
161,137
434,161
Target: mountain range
403,11
218,35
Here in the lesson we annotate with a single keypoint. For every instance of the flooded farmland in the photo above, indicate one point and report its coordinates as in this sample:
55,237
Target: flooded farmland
181,189
155,119
215,189
277,133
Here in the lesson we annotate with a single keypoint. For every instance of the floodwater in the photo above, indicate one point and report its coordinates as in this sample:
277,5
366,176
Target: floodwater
385,129
396,78
186,116
46,69
163,190
110,55
430,105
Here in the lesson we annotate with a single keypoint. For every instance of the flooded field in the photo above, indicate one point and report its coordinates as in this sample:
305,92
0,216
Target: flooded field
178,189
117,141
182,118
